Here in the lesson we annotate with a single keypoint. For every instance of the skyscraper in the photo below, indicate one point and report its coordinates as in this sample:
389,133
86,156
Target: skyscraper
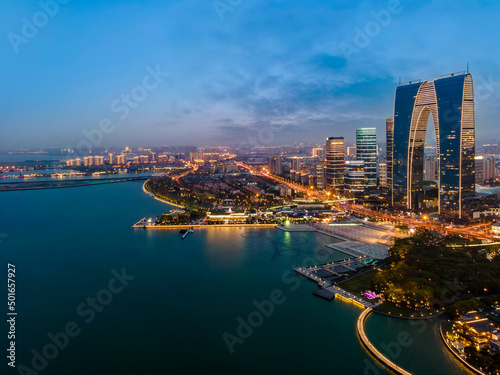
321,176
489,168
479,165
335,164
450,101
275,165
367,151
355,177
389,128
296,164
318,152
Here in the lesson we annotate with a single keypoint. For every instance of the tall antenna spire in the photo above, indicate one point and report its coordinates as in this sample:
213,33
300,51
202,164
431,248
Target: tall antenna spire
467,67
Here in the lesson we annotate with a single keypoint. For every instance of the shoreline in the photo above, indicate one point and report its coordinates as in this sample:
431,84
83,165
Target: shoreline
463,361
68,185
198,226
163,200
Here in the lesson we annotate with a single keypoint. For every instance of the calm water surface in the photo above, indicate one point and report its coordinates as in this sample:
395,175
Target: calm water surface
172,316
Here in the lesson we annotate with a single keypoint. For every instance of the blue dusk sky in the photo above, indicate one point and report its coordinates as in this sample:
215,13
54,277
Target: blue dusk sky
205,72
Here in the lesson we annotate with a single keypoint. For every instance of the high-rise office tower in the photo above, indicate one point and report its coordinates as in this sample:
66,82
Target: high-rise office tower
389,129
367,150
335,164
479,166
450,102
489,168
354,177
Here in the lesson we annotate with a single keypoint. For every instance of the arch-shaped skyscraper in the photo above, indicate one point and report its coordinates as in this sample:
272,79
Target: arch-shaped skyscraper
450,102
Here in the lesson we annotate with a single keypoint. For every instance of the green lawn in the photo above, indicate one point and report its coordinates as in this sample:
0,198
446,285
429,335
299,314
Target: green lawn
359,283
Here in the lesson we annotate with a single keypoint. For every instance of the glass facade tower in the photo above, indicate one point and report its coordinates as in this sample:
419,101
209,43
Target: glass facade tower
367,151
335,164
450,102
389,128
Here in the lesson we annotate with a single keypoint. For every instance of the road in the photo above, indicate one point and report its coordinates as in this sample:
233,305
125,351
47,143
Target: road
472,230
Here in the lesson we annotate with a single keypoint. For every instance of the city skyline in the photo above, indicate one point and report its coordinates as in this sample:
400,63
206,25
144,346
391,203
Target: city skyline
242,77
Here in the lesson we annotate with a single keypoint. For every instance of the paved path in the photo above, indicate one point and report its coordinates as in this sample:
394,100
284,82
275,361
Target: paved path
372,349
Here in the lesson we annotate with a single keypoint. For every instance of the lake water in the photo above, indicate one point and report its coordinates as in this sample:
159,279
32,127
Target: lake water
185,294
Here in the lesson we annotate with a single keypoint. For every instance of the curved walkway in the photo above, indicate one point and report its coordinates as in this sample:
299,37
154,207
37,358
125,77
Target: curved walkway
160,199
372,349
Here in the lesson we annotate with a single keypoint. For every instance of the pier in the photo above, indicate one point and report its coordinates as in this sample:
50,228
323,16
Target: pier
364,339
328,290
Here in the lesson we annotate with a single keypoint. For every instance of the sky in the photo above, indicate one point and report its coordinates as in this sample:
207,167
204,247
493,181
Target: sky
111,73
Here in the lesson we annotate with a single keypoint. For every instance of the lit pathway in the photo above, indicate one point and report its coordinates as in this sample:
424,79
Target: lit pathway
338,292
372,349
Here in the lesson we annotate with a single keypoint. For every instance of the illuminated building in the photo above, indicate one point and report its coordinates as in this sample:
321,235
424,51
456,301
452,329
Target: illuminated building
354,177
367,150
296,163
489,168
318,152
88,161
120,159
351,153
389,129
450,102
275,165
98,160
479,165
382,173
335,164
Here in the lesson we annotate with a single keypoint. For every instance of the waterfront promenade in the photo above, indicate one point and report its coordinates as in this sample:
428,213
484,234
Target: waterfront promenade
145,225
360,326
454,352
158,198
333,289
